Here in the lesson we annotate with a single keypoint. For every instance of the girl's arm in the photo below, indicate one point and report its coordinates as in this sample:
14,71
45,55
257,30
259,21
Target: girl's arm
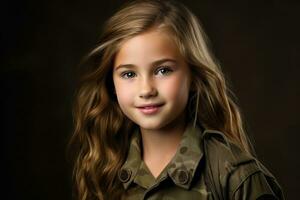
258,186
232,174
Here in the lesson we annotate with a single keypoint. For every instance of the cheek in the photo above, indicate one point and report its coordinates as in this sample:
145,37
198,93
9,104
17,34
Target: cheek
123,93
176,88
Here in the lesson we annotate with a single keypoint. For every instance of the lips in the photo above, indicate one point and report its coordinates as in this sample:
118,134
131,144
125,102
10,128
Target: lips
150,109
148,106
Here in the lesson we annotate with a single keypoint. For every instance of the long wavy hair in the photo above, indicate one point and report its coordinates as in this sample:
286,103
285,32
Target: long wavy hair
102,132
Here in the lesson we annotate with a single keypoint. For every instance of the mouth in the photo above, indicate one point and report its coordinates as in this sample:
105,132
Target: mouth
150,109
150,105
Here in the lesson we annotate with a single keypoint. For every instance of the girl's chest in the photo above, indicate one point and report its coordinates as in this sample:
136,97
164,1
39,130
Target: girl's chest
167,190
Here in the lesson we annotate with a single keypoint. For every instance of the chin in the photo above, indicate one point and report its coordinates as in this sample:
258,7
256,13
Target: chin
149,125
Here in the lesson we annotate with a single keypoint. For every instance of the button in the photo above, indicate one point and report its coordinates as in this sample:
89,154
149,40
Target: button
124,175
183,150
183,177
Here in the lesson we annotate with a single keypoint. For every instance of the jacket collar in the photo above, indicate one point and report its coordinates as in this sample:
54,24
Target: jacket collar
181,169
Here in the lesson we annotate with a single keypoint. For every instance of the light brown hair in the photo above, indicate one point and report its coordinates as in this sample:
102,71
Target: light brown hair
102,131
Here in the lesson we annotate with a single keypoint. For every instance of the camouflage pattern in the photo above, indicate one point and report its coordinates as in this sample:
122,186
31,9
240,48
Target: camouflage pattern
233,173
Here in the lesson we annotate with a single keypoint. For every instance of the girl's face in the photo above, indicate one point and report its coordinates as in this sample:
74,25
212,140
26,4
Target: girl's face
152,80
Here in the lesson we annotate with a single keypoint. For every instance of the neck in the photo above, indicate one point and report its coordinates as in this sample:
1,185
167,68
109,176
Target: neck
160,145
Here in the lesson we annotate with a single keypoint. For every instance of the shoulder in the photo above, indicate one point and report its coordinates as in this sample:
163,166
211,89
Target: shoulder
236,173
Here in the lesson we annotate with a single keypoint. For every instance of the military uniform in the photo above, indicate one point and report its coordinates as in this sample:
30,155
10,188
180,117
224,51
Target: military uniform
206,166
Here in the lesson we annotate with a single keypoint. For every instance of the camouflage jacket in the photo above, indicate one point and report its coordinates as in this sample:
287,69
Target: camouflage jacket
206,166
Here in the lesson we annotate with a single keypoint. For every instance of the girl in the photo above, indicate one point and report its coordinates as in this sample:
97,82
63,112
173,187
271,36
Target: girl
155,119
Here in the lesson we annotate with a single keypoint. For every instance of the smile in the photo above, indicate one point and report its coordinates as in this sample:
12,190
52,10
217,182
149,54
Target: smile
148,110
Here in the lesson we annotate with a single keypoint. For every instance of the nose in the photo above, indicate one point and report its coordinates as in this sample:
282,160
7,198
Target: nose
148,89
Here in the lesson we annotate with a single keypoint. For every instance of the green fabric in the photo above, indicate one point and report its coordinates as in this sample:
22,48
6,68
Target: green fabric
205,166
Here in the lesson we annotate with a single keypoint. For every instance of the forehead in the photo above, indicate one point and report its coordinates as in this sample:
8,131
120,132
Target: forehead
147,47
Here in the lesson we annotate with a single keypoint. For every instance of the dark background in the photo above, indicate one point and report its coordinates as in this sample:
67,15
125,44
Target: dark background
257,43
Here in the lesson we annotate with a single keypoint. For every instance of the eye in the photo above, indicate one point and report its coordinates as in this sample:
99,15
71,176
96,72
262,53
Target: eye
128,74
164,70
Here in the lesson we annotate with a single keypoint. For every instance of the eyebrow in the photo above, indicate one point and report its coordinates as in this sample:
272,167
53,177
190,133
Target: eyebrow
155,63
